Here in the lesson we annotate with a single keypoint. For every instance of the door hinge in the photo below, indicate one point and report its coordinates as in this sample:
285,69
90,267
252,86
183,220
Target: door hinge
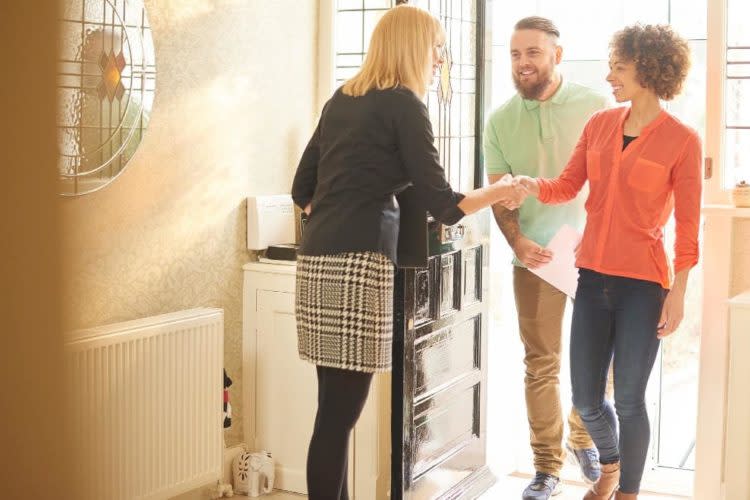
708,167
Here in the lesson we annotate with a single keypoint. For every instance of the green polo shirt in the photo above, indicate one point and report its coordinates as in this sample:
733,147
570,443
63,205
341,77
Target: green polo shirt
536,138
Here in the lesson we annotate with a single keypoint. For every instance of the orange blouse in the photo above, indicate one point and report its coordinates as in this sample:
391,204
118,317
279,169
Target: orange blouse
632,194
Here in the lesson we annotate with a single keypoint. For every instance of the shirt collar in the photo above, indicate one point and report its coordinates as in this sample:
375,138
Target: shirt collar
663,115
558,97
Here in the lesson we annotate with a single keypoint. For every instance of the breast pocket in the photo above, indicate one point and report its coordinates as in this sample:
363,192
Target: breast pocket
594,165
647,175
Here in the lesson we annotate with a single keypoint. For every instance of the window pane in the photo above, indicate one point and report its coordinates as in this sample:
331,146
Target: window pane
591,42
646,11
467,165
434,108
468,43
131,16
377,4
454,10
453,164
349,4
501,88
470,9
349,32
504,15
99,12
737,141
454,34
679,374
467,114
343,61
738,12
454,117
738,70
738,102
689,106
371,19
688,17
738,63
71,45
592,74
71,9
737,164
738,55
344,74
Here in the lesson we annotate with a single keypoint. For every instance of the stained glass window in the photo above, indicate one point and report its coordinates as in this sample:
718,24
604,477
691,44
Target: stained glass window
106,81
451,100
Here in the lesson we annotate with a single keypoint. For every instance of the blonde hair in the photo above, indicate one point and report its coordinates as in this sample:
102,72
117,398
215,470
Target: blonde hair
399,52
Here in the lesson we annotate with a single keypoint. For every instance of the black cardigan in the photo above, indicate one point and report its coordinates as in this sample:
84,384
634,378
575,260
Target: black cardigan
364,151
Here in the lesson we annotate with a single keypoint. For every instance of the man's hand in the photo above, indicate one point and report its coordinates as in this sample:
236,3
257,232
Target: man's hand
308,209
526,185
513,196
531,254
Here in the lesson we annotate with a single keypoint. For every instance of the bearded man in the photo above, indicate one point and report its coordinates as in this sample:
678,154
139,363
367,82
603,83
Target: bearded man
534,134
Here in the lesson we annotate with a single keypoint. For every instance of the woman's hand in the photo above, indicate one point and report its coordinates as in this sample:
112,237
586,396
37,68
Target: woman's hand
673,309
510,196
527,185
672,312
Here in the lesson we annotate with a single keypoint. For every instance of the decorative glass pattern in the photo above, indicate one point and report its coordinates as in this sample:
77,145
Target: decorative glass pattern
451,100
444,91
106,82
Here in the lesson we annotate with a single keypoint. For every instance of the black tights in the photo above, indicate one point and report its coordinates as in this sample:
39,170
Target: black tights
341,397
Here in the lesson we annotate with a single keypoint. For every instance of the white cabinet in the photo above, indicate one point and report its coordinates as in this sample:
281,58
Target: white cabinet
280,391
737,453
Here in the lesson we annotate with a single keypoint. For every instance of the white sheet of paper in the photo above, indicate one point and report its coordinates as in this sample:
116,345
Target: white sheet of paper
561,271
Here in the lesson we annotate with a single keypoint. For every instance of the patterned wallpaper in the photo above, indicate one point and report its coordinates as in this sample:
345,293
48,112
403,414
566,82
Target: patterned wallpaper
234,108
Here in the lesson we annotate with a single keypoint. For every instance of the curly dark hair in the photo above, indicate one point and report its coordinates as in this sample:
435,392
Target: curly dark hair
661,56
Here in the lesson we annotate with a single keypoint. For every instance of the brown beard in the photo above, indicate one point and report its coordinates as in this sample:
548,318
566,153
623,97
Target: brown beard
535,91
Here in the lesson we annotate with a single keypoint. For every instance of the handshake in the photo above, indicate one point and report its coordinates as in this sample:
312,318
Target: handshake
512,191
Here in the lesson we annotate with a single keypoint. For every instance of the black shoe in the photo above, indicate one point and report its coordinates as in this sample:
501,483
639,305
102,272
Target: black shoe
587,460
542,487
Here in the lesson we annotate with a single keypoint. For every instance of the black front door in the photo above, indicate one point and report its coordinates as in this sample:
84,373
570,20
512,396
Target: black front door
439,387
440,338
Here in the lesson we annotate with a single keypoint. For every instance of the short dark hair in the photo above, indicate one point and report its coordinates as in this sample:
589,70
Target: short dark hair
538,23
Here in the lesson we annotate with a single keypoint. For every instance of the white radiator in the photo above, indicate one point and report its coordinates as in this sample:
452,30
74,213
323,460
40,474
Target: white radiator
146,404
737,453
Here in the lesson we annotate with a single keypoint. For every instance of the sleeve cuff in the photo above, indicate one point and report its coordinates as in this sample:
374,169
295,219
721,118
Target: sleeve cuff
453,214
685,263
301,202
496,169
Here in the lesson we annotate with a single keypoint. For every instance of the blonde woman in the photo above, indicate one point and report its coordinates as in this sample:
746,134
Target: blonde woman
373,140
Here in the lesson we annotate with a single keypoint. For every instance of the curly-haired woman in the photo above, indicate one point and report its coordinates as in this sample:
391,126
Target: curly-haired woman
641,163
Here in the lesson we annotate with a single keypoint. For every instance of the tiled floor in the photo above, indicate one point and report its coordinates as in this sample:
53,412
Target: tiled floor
508,488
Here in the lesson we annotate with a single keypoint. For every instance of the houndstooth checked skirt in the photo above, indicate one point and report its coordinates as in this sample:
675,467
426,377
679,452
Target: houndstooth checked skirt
344,309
